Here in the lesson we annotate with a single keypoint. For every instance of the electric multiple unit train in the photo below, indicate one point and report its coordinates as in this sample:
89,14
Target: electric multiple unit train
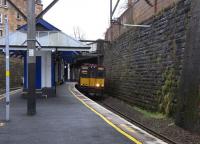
92,79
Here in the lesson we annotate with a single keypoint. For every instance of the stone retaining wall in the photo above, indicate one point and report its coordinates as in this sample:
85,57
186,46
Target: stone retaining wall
16,72
144,64
158,68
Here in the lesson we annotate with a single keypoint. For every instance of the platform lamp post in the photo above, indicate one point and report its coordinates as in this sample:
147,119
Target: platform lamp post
31,45
7,71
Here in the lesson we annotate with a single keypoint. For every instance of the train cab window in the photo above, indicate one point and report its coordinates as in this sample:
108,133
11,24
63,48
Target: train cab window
93,72
84,68
84,73
100,72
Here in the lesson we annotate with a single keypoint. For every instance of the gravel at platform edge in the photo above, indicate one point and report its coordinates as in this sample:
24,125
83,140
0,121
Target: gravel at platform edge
2,91
164,126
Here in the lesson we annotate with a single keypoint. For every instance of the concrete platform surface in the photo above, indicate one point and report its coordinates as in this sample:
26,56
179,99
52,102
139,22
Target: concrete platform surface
132,132
59,120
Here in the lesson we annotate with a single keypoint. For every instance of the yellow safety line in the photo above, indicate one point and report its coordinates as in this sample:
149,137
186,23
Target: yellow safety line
107,121
11,93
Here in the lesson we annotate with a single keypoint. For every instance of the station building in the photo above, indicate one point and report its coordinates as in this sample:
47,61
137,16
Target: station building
55,51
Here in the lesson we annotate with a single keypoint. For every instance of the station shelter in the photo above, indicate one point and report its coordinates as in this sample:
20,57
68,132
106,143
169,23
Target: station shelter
55,51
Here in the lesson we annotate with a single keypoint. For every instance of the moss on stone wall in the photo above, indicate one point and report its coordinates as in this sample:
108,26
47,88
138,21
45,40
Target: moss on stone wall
167,93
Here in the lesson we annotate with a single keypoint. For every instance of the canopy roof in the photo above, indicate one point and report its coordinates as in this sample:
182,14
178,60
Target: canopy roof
46,40
41,24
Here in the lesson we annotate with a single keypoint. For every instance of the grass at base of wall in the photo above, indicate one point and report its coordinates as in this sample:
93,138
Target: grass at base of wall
148,114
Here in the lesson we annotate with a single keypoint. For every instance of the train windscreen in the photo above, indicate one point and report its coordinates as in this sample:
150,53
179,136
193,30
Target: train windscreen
92,72
84,72
100,72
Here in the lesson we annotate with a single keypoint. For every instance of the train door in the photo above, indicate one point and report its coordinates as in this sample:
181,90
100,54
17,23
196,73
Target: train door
92,76
100,77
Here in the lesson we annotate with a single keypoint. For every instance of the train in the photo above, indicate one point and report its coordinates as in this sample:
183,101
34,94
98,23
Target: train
92,79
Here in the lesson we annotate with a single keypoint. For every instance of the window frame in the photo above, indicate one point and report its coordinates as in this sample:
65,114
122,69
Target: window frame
5,3
1,32
1,18
18,16
1,2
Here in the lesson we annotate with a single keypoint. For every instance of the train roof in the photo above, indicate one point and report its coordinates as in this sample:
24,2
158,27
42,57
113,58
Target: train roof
92,65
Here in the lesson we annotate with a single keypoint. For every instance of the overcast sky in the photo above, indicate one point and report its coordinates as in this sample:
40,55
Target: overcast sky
90,16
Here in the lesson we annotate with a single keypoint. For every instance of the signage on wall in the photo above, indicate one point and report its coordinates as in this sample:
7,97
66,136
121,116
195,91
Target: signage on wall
31,52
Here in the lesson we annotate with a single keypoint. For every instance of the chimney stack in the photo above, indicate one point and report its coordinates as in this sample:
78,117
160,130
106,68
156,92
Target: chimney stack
38,1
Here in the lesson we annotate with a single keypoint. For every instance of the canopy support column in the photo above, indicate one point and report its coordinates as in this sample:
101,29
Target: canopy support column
68,73
31,103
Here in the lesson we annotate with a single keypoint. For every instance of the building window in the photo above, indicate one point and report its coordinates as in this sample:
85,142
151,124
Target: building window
1,18
18,26
1,32
5,3
18,16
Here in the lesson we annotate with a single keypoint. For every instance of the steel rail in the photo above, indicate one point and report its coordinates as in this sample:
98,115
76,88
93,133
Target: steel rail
160,136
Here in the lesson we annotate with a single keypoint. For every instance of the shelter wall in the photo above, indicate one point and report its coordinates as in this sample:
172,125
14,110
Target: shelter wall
46,68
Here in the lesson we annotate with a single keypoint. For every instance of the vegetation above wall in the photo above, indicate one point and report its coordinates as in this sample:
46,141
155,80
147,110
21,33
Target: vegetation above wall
16,72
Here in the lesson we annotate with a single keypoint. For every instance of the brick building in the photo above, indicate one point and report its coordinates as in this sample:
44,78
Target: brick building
15,18
138,11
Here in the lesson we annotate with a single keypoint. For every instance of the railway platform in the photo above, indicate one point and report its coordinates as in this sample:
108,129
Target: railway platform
69,118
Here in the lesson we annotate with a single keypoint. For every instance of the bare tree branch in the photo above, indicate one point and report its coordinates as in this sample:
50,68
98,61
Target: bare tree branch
78,34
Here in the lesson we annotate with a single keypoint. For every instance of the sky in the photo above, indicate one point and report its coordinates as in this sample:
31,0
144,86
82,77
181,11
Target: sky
91,17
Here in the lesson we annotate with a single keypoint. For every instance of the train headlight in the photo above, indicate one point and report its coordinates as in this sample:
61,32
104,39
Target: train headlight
97,85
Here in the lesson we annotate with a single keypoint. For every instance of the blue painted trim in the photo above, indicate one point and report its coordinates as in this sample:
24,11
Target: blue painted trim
59,71
69,56
47,25
38,72
43,23
52,71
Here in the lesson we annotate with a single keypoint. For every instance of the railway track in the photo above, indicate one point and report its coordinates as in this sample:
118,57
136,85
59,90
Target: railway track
160,136
2,91
131,120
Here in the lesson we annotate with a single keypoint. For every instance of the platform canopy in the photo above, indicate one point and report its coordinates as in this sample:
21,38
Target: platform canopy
46,40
